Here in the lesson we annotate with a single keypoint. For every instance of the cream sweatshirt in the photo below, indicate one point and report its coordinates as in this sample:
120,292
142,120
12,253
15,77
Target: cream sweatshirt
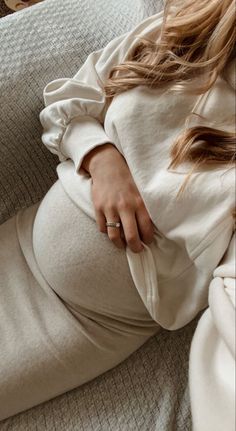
193,232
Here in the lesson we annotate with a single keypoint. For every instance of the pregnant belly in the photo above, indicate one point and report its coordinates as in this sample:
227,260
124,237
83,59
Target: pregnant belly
80,263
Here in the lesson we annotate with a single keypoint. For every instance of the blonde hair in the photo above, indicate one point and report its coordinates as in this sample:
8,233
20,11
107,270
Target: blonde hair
196,41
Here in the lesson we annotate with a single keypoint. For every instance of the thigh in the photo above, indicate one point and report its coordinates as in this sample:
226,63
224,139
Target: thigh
81,264
49,343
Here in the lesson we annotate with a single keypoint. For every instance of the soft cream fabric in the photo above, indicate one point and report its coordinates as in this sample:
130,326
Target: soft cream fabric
192,233
69,309
212,359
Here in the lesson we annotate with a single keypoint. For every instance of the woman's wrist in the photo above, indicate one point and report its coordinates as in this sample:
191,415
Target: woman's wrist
94,160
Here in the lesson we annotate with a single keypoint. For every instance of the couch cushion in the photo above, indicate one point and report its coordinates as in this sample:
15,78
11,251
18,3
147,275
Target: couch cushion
146,392
39,44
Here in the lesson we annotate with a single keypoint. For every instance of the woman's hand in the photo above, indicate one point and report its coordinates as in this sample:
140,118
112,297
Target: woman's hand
116,198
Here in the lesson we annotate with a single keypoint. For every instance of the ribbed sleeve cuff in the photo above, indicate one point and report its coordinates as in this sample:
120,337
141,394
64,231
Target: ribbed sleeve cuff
82,135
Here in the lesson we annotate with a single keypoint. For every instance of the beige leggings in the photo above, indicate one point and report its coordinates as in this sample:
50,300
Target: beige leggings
69,310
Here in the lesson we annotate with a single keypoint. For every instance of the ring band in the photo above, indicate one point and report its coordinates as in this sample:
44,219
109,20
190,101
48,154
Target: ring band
113,224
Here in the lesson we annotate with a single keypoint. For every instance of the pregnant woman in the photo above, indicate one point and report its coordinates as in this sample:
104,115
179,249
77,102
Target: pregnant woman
137,233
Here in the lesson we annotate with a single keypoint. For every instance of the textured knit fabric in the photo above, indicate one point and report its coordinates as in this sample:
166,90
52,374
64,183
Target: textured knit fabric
173,274
47,41
147,391
62,327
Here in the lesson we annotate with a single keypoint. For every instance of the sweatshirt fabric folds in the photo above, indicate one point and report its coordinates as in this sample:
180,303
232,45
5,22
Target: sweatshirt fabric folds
193,232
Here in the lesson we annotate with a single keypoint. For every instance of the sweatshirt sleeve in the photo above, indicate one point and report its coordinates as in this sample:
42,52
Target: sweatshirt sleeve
212,357
75,108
